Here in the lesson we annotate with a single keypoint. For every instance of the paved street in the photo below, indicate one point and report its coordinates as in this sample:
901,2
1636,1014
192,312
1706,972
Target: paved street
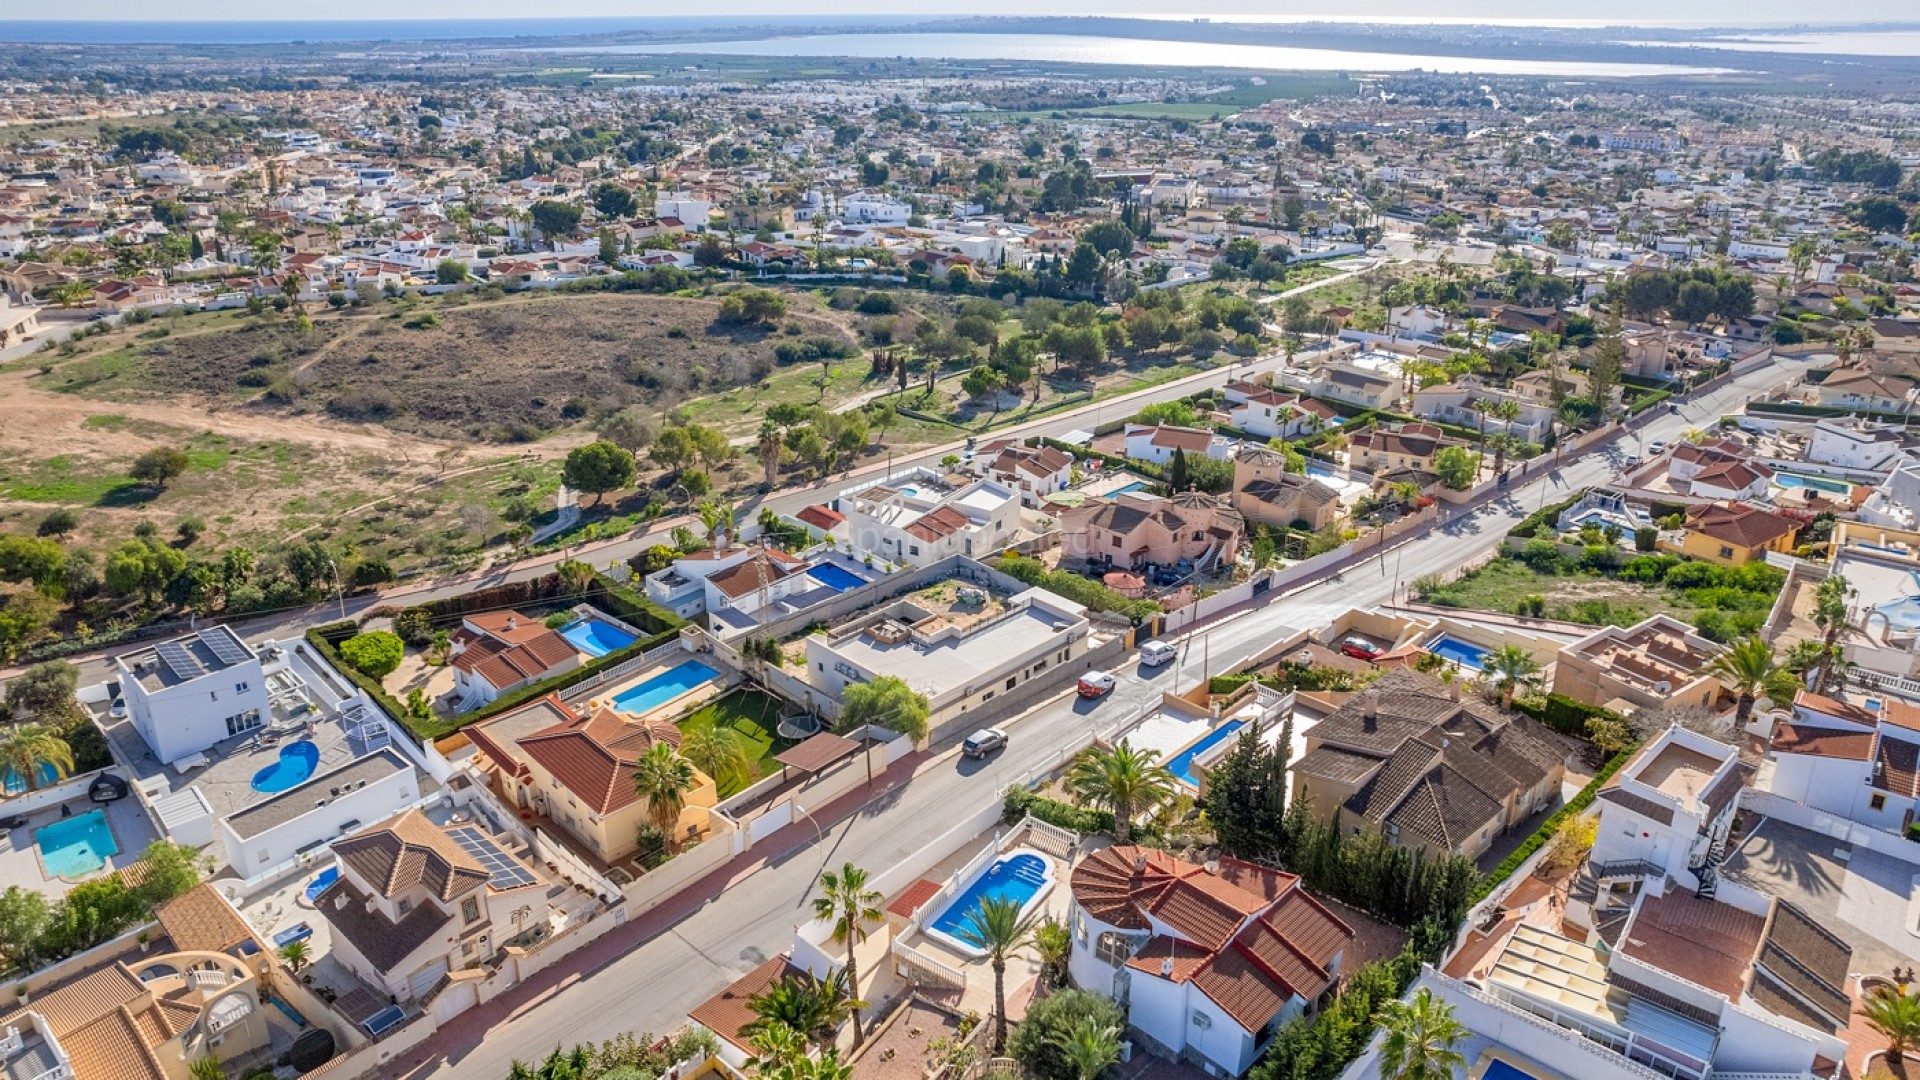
646,976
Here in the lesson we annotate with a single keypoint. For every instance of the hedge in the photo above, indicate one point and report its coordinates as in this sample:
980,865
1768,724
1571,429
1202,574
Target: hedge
1562,713
620,601
1647,401
1547,828
1788,408
1530,527
1022,802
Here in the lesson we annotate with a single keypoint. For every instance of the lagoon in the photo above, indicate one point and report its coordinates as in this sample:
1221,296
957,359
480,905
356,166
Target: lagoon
1126,52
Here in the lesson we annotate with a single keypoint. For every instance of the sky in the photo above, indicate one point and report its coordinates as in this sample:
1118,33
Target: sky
1551,12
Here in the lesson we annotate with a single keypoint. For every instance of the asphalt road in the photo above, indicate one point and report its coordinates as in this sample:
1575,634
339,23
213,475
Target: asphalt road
654,974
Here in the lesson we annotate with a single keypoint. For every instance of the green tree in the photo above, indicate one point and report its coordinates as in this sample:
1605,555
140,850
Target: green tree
45,692
1744,668
207,1068
1418,1039
555,219
32,753
375,653
717,752
1247,793
59,522
851,906
1457,467
1091,1048
663,778
1512,667
1123,780
24,916
1831,603
1895,1014
886,702
598,467
1037,1044
450,272
810,1006
1608,363
995,927
159,466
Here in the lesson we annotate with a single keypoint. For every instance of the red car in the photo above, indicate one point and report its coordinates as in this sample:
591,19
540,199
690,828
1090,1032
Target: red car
1359,648
1097,684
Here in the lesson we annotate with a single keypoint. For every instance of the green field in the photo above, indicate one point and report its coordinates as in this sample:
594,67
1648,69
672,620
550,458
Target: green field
751,716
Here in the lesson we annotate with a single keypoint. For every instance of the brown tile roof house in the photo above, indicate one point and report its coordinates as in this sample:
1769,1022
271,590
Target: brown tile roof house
1708,943
1428,765
1250,938
1801,970
1739,525
757,571
594,756
408,851
727,1012
821,517
201,920
940,522
1413,440
1192,440
503,664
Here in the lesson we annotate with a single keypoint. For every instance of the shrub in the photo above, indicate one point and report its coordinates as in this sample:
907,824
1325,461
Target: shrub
1036,1043
375,654
414,625
1020,802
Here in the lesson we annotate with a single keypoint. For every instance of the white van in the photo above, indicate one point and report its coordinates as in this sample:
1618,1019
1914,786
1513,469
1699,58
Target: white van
1155,653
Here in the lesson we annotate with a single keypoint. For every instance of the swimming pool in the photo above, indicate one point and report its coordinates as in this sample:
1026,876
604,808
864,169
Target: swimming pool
15,784
1182,764
320,882
664,687
596,637
295,765
1500,1070
1817,483
837,578
1021,875
76,846
1465,654
1137,485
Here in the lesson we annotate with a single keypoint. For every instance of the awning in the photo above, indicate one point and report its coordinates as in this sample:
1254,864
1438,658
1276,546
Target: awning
818,752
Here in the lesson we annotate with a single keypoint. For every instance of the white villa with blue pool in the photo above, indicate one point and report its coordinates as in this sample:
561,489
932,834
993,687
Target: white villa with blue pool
738,588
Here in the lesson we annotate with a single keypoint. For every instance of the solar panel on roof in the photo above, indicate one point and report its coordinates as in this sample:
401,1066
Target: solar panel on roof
175,656
224,646
503,871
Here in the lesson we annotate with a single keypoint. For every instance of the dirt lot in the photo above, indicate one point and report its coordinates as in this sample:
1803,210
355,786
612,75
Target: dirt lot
504,370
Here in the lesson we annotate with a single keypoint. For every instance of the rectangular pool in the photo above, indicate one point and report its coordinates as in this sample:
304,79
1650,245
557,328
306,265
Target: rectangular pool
77,846
1181,766
1815,483
1463,653
664,687
837,578
596,637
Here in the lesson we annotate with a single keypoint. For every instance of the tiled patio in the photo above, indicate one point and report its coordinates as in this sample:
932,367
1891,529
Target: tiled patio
20,862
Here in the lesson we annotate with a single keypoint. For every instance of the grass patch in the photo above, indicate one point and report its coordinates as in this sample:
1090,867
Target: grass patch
751,715
63,480
1723,603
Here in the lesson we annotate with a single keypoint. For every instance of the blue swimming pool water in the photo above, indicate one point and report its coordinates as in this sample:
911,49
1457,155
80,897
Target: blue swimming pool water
289,1011
320,882
664,687
1018,877
1500,1070
1457,651
296,764
1137,485
1314,468
1795,480
15,784
837,578
1182,764
77,846
595,637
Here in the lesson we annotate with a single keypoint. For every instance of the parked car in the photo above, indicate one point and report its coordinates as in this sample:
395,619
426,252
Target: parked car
1359,648
984,742
1097,684
118,710
1155,653
1656,447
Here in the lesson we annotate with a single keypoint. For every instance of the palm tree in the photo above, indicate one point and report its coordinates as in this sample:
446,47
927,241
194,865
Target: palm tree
662,777
1744,669
772,441
1506,411
806,1004
1830,605
1090,1048
296,955
1053,942
1895,1014
207,1068
29,751
846,901
1123,780
577,576
1512,666
996,927
776,1047
715,751
1421,1034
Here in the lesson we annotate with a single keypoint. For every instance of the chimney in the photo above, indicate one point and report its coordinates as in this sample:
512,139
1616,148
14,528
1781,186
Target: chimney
1453,691
512,622
1370,705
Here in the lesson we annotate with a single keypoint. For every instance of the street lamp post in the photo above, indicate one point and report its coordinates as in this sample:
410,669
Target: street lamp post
338,592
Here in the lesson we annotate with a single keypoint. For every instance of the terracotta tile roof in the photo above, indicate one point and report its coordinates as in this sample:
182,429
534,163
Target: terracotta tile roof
510,626
1898,767
1170,958
1192,440
1809,963
726,1013
749,575
593,757
384,944
201,920
940,522
498,737
409,851
1839,710
1742,526
113,1045
912,897
821,517
1899,714
1822,742
503,665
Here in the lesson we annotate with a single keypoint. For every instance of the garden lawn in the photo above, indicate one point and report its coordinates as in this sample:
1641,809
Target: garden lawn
751,715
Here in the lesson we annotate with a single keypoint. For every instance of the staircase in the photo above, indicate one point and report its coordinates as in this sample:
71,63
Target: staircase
1707,869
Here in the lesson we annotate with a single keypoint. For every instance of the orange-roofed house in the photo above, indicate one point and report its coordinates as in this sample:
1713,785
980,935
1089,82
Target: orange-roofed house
1736,534
498,651
1858,762
1215,958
